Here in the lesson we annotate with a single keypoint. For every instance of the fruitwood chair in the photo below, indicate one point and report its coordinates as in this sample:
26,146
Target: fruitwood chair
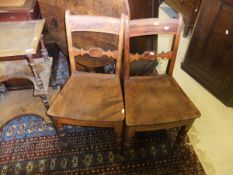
91,99
155,102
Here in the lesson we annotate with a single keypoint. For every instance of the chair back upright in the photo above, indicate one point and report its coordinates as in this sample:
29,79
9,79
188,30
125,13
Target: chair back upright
151,26
98,24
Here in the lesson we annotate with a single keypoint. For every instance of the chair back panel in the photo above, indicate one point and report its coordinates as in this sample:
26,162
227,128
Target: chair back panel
97,24
94,24
152,26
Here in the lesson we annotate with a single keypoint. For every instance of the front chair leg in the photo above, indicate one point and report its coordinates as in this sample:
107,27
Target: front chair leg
128,135
180,139
61,134
119,131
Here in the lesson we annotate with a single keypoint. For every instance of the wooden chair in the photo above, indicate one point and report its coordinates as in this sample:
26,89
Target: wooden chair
91,99
155,102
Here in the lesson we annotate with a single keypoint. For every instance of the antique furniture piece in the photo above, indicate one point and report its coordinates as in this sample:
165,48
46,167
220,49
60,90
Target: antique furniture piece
53,11
209,56
18,10
189,9
155,102
22,38
91,99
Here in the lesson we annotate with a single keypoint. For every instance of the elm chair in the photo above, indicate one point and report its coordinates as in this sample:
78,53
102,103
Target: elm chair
155,102
91,99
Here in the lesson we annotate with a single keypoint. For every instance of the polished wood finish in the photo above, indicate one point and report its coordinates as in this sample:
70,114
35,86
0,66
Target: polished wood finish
209,55
155,102
189,9
90,99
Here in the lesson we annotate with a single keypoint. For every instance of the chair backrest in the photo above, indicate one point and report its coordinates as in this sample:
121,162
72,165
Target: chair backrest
98,24
151,26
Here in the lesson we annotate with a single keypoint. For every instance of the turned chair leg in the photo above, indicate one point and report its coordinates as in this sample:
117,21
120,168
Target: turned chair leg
61,134
128,135
180,139
119,131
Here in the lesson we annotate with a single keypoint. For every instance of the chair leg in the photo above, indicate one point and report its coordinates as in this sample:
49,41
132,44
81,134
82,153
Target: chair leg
180,139
61,134
128,134
119,131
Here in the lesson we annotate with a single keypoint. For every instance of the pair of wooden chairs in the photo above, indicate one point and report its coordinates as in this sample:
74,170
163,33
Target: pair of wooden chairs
147,103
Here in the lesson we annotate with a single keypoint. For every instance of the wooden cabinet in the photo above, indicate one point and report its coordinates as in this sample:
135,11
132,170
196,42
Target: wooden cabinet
209,58
189,9
19,10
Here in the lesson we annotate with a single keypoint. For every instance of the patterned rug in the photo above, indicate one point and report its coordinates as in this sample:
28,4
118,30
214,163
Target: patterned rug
28,145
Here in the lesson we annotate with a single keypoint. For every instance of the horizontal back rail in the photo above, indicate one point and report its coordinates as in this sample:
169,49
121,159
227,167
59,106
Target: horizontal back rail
95,53
82,23
153,26
150,55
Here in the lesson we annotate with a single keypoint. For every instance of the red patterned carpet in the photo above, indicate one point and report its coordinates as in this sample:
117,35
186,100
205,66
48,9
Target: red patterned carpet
30,146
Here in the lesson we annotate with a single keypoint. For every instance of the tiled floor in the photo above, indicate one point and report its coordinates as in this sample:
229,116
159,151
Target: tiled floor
212,134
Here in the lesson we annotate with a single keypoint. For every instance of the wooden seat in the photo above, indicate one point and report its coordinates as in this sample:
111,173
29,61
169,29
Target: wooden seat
91,99
155,102
160,97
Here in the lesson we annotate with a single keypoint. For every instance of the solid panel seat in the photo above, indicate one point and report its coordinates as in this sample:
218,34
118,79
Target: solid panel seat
89,97
156,100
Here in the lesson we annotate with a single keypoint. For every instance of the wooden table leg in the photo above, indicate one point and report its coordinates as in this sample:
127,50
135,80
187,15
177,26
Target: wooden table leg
3,90
39,82
44,50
